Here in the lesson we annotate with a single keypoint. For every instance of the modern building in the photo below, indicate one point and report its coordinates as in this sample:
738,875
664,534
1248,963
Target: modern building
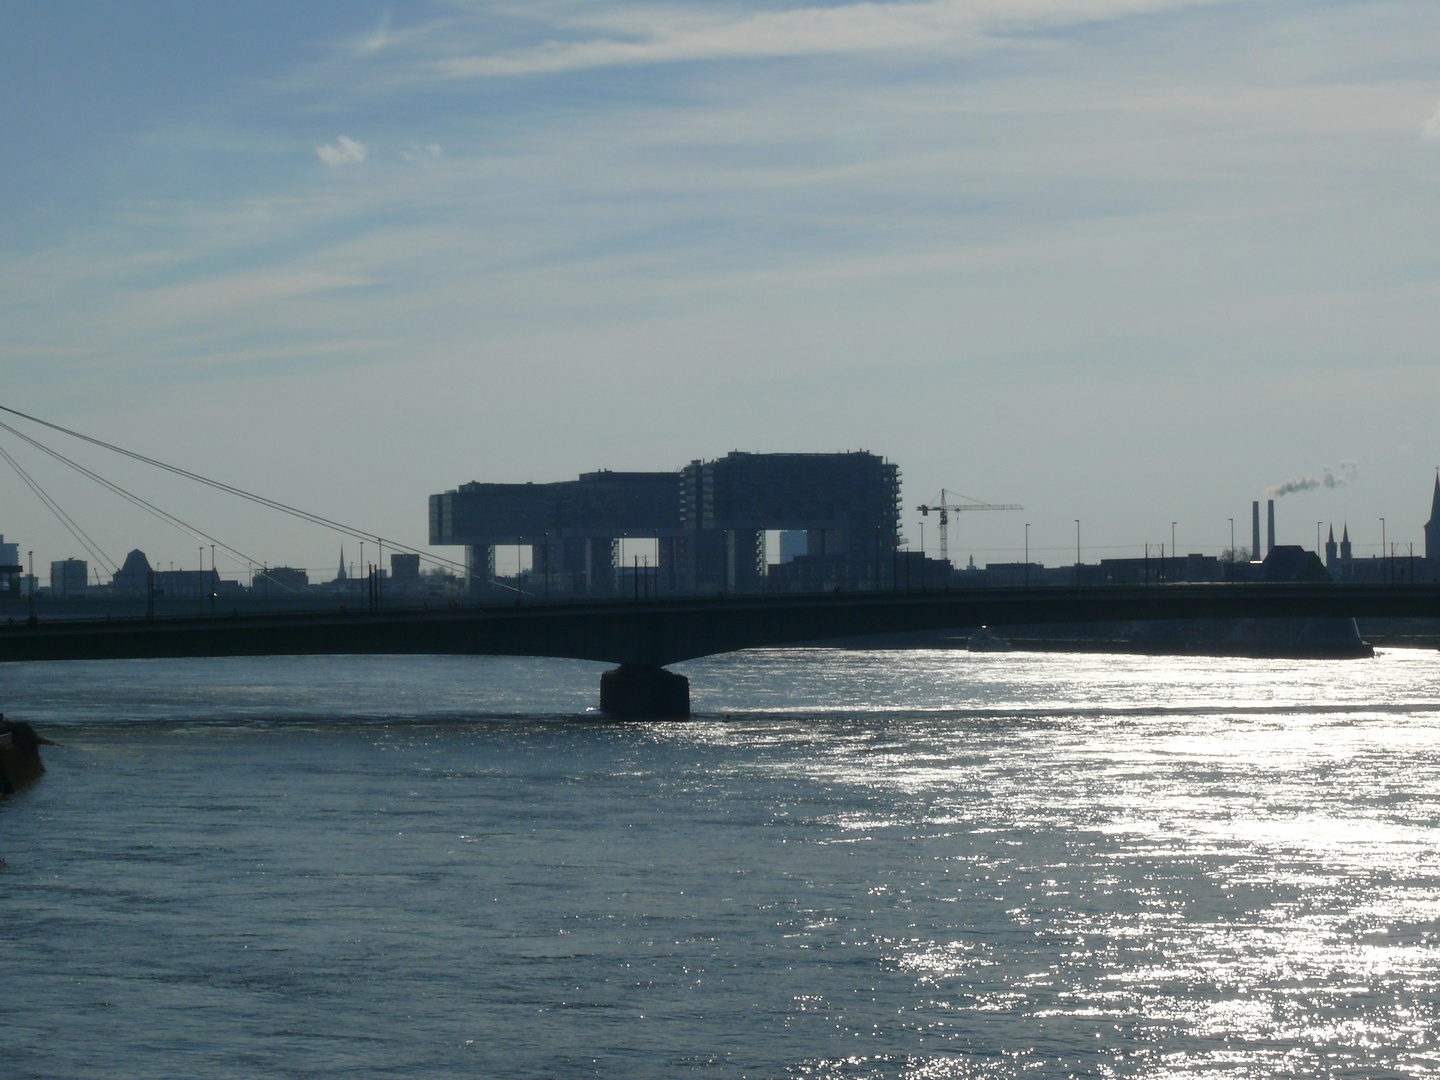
708,521
573,526
69,578
848,506
10,568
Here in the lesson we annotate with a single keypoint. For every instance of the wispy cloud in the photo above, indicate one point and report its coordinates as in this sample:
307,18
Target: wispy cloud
657,35
378,38
1430,130
343,151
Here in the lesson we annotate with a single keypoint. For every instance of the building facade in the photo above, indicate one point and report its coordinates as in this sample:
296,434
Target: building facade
708,522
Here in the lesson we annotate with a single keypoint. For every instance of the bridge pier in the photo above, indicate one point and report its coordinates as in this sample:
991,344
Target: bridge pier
635,692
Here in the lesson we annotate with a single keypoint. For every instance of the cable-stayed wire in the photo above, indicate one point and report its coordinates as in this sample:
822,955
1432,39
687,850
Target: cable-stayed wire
168,518
71,526
219,485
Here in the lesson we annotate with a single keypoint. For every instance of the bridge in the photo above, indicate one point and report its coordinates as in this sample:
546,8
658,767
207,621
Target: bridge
642,637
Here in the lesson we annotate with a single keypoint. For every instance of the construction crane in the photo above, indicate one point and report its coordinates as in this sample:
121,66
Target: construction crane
946,508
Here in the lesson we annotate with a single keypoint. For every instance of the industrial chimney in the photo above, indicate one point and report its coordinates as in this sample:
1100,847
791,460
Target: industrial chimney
1255,523
1270,534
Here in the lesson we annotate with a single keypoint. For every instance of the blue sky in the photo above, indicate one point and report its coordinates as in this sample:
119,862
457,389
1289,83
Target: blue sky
1128,261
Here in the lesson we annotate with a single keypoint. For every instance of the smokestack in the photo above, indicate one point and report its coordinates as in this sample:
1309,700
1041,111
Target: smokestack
1270,534
1255,523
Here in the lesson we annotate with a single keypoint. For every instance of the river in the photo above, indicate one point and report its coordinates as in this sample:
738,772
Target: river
914,864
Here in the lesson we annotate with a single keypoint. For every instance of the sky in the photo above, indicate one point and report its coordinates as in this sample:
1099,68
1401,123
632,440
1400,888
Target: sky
1131,262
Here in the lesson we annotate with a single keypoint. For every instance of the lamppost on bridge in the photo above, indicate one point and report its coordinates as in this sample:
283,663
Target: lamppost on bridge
1027,554
1382,550
1174,563
1077,551
1232,550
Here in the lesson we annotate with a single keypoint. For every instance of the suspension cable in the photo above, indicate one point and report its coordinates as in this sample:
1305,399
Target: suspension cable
192,531
219,485
71,526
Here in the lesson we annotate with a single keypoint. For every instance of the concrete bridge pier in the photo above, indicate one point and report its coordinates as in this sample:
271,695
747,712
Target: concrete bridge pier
637,692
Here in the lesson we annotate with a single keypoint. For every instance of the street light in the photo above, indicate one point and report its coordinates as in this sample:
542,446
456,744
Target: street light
1174,563
1232,550
1077,551
1027,554
1382,549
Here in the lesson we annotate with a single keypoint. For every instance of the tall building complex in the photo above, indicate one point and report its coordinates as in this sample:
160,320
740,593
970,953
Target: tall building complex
708,521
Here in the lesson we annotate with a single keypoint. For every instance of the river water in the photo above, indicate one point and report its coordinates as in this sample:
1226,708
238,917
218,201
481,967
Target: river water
849,864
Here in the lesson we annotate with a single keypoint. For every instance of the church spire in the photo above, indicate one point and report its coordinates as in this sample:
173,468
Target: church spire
1432,527
341,575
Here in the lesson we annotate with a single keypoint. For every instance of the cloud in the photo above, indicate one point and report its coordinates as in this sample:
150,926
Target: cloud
419,153
343,151
1430,130
659,35
378,38
1327,479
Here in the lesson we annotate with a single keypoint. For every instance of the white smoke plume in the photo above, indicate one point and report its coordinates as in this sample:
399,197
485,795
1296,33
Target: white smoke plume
1328,478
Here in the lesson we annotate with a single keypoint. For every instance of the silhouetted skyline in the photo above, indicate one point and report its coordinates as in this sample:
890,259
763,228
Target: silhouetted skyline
348,255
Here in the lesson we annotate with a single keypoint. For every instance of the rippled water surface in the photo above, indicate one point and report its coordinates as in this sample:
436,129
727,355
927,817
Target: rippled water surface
850,864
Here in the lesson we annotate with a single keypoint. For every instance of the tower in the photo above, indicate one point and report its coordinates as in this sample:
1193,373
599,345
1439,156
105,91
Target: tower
1331,561
1347,569
1432,527
1270,530
1255,526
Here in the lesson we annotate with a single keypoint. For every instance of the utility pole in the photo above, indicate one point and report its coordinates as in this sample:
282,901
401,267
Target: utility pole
1027,554
1077,551
1232,551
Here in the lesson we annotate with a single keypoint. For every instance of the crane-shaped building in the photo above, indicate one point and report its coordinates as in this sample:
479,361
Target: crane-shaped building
946,508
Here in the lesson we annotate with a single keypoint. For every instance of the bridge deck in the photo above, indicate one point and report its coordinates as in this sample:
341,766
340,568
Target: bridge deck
657,632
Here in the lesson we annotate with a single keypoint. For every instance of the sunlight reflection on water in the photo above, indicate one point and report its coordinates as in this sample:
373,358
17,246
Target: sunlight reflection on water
907,864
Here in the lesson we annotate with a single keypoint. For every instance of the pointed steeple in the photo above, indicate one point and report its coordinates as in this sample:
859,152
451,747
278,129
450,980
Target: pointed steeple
1432,527
1345,536
341,575
1332,532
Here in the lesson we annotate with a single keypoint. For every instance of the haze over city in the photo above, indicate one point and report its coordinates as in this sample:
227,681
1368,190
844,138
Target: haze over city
1130,262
